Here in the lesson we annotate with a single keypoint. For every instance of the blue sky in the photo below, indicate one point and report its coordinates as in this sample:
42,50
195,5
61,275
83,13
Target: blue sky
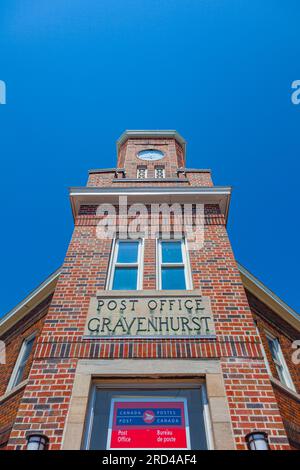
78,73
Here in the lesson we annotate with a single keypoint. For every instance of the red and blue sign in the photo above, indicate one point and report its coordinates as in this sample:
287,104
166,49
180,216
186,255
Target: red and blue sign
148,424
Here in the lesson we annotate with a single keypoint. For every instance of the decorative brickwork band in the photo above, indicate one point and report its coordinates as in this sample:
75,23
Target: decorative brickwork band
156,349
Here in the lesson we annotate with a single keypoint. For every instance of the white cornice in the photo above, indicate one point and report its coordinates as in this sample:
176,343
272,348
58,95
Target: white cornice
206,195
148,134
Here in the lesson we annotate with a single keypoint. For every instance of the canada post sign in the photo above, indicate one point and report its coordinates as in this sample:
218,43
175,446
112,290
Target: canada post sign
149,316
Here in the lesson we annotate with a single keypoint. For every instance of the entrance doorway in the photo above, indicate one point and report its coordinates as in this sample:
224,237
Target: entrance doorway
148,414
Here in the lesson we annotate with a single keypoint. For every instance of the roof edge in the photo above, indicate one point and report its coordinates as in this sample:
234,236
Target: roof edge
263,293
40,293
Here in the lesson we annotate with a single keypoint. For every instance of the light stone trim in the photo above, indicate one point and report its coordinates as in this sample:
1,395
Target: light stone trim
127,320
88,370
285,389
13,390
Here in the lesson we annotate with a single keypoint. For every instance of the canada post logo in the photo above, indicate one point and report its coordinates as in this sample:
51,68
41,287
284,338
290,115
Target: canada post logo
149,416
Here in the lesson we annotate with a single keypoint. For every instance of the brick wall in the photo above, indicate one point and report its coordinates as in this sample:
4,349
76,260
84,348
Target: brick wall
32,323
45,402
173,156
197,178
183,178
288,403
100,179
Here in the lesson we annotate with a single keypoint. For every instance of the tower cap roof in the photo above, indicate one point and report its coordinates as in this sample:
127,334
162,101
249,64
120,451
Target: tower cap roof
148,134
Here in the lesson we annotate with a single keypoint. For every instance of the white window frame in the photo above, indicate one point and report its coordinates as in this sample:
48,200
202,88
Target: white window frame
114,264
11,383
263,352
185,262
280,362
163,172
145,170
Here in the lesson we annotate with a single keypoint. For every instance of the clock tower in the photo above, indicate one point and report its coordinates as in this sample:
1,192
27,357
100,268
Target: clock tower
151,150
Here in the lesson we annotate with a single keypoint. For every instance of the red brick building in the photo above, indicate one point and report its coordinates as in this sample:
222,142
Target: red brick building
149,341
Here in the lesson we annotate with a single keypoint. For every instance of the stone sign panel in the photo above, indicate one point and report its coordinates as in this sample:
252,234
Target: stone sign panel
149,314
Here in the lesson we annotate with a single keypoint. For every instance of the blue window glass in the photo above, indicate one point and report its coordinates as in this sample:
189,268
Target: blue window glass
125,279
171,252
272,347
127,252
173,278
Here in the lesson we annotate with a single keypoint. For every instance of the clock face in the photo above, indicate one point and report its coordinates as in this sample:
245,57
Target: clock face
150,155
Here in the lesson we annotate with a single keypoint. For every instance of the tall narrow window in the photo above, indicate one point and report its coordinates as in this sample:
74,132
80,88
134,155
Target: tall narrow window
18,373
126,265
141,172
173,266
279,361
159,172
